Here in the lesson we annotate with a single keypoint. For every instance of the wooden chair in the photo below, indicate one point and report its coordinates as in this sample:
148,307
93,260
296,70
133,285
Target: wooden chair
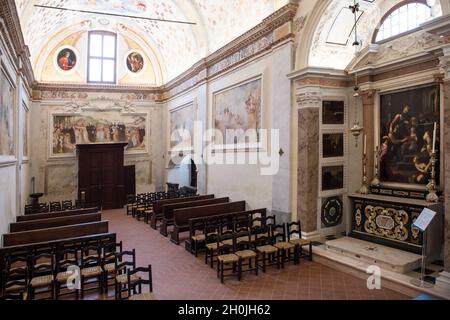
12,296
42,275
131,203
125,261
287,249
243,249
55,206
294,228
15,277
135,286
196,234
109,262
263,243
211,245
66,205
226,259
91,267
65,259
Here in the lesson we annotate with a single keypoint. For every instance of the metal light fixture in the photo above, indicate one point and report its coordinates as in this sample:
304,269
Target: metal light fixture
356,128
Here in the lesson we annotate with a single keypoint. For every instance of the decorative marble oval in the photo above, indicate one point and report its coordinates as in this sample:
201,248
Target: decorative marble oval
385,222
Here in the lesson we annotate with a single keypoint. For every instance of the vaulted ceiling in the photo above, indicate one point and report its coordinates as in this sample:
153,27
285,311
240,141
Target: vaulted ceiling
178,46
332,43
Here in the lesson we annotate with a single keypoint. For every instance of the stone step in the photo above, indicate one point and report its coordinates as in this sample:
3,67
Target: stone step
395,260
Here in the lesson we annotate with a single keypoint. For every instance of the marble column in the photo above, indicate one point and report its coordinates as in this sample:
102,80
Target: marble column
368,102
308,160
446,127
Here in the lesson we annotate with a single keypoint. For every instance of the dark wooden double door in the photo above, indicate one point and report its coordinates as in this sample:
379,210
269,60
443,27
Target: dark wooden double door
101,174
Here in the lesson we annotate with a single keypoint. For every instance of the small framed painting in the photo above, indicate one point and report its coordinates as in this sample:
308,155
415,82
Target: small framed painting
332,177
333,145
333,112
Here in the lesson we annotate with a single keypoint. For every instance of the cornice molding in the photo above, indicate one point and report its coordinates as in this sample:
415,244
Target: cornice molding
20,52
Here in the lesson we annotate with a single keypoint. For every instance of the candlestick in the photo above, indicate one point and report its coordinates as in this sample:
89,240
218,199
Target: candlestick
365,144
432,195
434,137
376,179
365,187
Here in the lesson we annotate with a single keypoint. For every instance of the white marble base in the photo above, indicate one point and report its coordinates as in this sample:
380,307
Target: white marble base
385,257
443,282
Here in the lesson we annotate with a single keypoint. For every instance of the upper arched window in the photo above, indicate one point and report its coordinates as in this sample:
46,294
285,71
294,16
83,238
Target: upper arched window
405,18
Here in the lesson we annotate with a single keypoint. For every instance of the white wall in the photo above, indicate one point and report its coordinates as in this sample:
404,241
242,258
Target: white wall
13,168
245,181
57,177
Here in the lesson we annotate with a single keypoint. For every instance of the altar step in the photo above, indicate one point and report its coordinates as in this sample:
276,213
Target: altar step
358,267
387,258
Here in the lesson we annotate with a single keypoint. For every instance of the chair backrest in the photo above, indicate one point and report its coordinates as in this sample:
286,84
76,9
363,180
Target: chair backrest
66,258
67,205
244,236
278,232
196,225
261,231
126,260
225,241
91,256
294,228
12,296
18,281
55,206
42,264
141,281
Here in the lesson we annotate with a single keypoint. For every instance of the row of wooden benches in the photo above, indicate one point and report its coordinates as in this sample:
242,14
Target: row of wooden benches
55,226
178,212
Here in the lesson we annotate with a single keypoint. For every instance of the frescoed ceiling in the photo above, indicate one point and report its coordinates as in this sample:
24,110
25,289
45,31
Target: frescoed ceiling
180,46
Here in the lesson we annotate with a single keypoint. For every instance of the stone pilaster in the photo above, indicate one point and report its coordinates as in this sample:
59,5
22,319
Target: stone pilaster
368,102
446,127
308,159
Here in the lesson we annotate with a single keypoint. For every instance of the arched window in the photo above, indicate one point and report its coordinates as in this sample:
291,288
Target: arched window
405,18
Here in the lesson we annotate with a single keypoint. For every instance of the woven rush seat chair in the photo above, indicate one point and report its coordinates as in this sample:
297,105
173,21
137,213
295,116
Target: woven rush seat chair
64,260
244,250
269,254
226,259
135,286
287,249
294,228
15,277
91,267
42,274
125,261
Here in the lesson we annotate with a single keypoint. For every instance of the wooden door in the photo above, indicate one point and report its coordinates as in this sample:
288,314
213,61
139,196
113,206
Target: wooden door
100,174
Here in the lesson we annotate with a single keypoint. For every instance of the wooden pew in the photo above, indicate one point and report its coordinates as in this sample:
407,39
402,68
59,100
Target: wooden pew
168,209
181,217
104,239
58,233
158,205
54,222
57,214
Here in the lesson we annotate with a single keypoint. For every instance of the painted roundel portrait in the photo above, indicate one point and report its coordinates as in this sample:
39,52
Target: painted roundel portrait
135,62
66,59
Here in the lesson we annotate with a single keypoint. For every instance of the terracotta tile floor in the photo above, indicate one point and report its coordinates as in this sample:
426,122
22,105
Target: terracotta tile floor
178,275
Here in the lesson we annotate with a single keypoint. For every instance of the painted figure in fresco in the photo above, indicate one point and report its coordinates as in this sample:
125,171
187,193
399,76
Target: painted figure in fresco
65,60
135,62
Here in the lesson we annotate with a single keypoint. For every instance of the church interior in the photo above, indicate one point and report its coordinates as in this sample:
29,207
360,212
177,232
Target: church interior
224,150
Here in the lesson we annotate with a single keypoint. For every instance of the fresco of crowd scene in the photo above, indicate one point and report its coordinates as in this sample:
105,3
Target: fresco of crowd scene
70,131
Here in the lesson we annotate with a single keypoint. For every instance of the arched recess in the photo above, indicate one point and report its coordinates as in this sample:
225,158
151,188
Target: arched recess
84,25
313,50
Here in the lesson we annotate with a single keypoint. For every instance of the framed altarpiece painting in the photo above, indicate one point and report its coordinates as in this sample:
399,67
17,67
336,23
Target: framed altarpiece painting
408,119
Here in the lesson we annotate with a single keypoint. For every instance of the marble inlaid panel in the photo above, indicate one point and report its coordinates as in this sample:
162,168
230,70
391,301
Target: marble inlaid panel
308,167
447,175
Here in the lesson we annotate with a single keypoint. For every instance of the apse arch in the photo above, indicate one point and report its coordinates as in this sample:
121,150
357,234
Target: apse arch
83,25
